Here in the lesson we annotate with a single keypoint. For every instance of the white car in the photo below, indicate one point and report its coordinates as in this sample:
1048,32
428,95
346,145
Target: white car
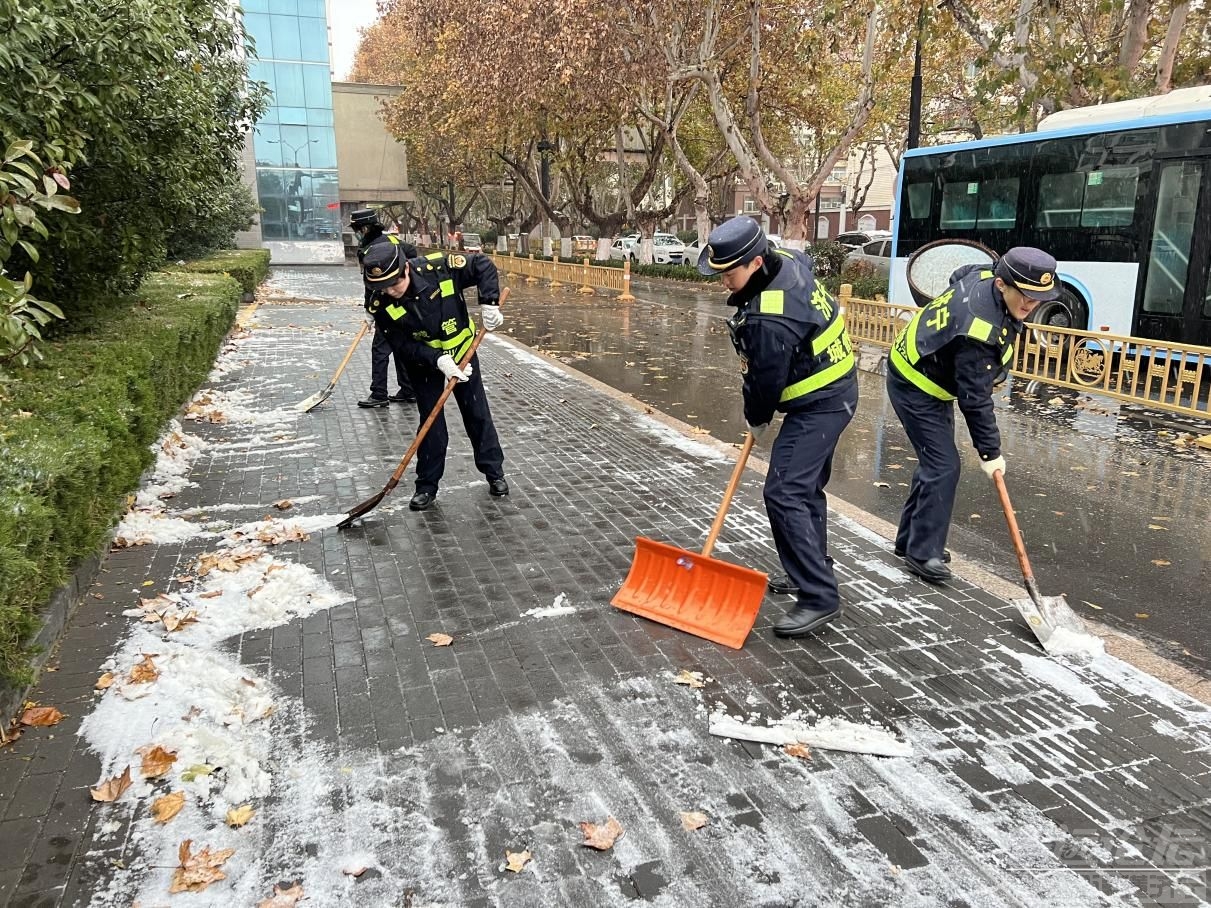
876,253
667,249
623,249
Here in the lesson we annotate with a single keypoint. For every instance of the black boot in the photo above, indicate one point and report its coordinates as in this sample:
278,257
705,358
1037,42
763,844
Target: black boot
498,487
374,402
402,397
900,553
422,500
803,619
932,571
781,585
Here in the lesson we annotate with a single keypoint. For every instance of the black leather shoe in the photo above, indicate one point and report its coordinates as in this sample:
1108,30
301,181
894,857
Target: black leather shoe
932,571
399,397
900,553
422,500
374,402
498,487
780,584
803,619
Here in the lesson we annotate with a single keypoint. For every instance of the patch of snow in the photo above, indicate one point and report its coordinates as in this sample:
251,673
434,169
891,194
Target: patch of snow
1058,677
558,607
829,733
139,528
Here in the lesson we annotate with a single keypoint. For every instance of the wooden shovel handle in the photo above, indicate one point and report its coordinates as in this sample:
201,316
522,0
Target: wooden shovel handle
1014,533
349,353
440,405
717,526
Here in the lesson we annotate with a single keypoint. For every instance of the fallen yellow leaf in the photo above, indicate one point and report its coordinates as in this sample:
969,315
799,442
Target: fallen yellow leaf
798,750
197,871
283,898
112,789
165,808
42,716
517,860
156,761
145,671
1160,562
1156,526
692,820
440,639
284,505
1141,614
1091,605
239,816
105,681
693,679
601,837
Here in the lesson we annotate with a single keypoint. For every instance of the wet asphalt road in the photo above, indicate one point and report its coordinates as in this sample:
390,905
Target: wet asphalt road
1114,510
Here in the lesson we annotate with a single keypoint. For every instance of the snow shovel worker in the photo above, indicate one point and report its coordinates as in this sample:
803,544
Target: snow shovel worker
418,303
796,357
957,349
369,231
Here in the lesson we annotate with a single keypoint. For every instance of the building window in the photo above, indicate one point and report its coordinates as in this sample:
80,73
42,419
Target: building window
866,223
750,206
822,228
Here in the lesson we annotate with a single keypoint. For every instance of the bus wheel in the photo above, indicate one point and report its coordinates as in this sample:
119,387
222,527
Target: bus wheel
1067,310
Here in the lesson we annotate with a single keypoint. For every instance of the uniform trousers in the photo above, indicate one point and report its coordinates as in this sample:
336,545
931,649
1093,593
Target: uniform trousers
930,426
428,384
380,353
800,465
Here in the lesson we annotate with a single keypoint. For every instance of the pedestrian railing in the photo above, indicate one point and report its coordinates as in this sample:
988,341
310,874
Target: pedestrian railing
584,276
1157,374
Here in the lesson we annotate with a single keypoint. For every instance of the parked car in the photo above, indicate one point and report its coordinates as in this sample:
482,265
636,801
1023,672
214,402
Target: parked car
876,253
693,252
855,238
623,249
472,243
667,249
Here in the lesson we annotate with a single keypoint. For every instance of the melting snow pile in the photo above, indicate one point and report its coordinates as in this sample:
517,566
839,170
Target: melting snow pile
558,607
827,734
1065,642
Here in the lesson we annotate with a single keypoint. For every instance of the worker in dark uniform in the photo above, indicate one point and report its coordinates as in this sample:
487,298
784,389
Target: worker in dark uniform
418,304
957,349
796,357
369,230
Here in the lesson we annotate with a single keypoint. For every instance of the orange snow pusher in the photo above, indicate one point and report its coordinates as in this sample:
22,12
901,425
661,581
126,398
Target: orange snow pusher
692,591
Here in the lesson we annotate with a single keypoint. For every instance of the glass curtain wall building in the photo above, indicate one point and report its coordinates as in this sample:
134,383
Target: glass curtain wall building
295,143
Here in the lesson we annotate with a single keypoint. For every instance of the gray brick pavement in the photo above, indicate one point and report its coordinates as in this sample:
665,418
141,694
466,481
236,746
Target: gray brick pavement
1032,783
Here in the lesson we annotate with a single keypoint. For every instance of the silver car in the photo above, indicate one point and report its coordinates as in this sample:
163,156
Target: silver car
876,253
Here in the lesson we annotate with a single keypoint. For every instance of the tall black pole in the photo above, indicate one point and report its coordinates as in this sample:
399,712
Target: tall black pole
914,97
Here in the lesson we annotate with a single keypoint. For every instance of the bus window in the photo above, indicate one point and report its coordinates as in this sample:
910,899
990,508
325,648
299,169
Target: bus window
1060,199
959,206
1165,290
920,200
1110,197
998,204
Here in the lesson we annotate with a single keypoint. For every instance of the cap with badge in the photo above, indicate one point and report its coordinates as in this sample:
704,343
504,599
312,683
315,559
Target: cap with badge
735,242
1030,270
383,265
364,217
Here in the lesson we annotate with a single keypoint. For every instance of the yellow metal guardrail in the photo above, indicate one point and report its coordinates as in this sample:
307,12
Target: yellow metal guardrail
585,276
1157,374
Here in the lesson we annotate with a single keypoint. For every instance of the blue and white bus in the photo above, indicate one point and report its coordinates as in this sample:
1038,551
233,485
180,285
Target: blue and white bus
1119,193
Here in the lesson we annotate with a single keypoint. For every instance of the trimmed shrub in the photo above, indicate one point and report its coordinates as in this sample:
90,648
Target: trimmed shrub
248,266
76,431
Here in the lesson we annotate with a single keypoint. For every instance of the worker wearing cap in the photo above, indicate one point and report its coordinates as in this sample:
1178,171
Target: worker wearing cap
419,305
796,358
369,231
957,349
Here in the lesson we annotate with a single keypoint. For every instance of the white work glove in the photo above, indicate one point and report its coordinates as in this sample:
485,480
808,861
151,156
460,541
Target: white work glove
760,433
492,317
991,466
370,321
449,368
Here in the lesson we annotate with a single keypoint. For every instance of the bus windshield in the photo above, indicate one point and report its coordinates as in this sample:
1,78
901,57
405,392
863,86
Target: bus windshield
1117,204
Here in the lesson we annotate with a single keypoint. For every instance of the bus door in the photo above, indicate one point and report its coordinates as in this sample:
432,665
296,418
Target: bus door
1175,299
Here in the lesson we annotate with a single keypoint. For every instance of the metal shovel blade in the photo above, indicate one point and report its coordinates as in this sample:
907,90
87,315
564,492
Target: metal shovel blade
315,399
1058,628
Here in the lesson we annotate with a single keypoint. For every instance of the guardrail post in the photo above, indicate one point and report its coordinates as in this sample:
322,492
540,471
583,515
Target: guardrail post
530,278
555,281
509,267
584,282
626,282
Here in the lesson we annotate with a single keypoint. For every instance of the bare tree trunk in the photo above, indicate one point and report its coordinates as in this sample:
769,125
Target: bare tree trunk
1135,33
1173,34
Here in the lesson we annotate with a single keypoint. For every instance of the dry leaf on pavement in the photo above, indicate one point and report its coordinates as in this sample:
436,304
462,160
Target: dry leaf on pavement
517,860
43,716
174,621
197,871
105,681
440,639
693,819
693,679
156,761
802,751
239,816
1160,562
165,808
145,672
601,837
283,898
111,789
277,533
284,505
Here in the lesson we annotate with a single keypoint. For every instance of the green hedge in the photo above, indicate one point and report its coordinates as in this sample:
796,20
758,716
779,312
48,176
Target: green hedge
76,430
248,266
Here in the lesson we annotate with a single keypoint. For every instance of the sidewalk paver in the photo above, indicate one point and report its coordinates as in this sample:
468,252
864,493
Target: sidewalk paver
307,689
